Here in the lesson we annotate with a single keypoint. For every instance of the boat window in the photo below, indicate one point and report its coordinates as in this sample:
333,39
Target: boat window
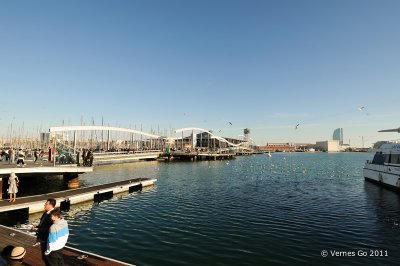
387,158
378,158
395,159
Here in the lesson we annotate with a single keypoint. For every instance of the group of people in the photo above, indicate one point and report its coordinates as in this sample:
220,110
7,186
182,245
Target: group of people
51,233
19,156
87,157
10,156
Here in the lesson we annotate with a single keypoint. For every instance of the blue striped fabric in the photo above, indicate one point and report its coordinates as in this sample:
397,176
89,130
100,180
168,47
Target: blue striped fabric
58,235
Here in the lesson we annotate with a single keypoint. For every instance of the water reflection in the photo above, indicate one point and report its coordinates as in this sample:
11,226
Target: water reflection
385,204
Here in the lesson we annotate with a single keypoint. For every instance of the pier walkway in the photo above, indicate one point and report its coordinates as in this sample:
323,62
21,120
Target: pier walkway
72,256
41,167
195,155
103,158
65,198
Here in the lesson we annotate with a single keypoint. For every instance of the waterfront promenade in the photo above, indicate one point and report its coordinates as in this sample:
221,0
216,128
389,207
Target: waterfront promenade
42,167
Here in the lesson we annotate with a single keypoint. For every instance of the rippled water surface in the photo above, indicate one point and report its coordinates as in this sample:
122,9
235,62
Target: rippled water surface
256,210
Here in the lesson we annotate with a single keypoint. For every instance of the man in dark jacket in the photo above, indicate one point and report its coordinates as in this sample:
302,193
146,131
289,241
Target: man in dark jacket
42,230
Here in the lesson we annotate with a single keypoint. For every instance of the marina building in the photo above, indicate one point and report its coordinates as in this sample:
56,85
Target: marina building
334,145
329,146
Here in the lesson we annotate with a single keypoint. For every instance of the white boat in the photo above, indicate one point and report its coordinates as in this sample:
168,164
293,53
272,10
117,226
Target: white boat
384,168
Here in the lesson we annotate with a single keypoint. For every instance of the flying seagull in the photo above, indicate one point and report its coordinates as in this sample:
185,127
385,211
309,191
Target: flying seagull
361,108
230,123
296,126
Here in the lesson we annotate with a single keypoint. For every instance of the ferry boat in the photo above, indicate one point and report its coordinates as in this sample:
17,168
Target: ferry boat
384,169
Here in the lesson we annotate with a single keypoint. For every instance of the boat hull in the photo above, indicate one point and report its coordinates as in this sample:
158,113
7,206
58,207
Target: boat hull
383,175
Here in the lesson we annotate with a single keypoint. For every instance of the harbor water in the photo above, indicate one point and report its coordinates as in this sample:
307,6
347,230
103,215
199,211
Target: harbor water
288,209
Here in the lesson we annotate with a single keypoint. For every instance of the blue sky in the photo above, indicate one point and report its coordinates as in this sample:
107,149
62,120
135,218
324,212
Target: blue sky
162,65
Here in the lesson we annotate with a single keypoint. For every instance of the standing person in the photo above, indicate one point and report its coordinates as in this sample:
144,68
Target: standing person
12,155
89,158
21,158
3,155
13,182
35,154
42,230
58,237
84,157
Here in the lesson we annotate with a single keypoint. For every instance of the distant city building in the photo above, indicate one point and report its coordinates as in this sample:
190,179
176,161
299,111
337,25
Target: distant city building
334,145
329,146
338,135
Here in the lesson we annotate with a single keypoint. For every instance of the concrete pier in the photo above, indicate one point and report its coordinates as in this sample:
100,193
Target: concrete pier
194,155
124,157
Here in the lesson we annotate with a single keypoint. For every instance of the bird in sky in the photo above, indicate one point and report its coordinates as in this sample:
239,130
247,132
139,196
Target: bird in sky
230,123
361,108
295,128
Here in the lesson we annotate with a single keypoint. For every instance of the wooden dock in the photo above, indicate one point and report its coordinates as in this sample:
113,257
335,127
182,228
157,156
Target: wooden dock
72,256
34,204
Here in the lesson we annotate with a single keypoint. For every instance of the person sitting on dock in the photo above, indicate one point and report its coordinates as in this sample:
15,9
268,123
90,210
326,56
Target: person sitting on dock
17,256
58,237
42,230
5,255
3,261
